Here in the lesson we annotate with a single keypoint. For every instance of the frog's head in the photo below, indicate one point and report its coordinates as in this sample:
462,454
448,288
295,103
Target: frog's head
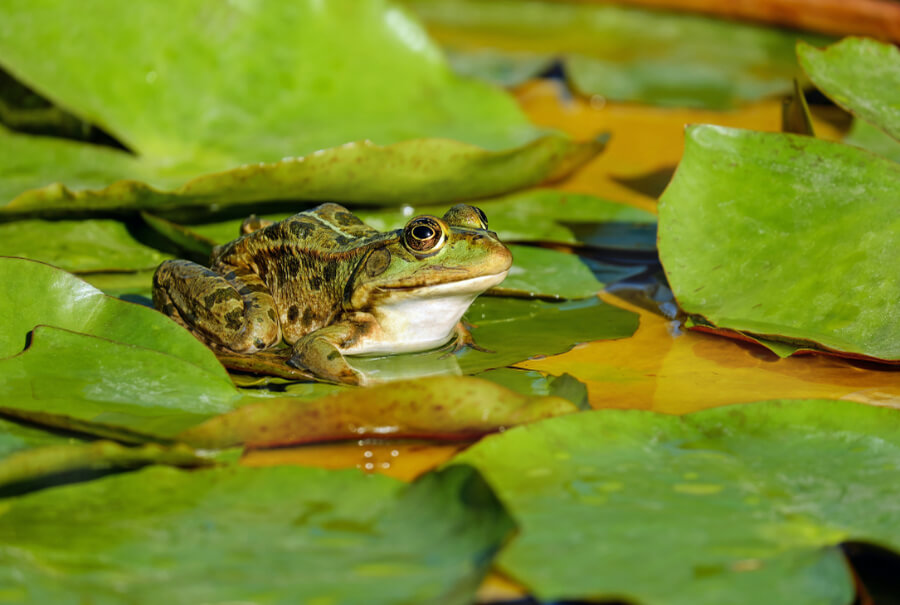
453,256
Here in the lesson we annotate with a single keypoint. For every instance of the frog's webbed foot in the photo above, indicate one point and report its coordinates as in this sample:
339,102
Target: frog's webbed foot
319,354
464,340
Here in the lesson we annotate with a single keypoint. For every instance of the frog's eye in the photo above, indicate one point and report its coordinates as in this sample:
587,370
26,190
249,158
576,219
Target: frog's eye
463,215
424,234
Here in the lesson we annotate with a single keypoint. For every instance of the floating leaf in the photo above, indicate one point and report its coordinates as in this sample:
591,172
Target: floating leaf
621,53
265,536
45,462
198,100
442,407
761,269
80,246
743,504
861,75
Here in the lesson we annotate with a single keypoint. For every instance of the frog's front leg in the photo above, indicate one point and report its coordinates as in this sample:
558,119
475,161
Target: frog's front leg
319,352
227,306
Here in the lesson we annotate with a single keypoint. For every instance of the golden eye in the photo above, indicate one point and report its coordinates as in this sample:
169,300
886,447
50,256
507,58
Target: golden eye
424,234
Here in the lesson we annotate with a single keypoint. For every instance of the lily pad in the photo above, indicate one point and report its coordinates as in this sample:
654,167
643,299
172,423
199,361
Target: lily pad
814,265
92,357
441,407
241,88
426,170
266,536
741,504
861,75
620,53
80,246
99,380
33,293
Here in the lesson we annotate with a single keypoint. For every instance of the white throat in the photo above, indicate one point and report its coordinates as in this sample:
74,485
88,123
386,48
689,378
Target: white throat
422,319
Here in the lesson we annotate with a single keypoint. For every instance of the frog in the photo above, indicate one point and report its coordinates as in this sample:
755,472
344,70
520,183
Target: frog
329,286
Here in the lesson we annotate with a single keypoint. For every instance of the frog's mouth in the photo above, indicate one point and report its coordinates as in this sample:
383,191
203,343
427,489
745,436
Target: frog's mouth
470,285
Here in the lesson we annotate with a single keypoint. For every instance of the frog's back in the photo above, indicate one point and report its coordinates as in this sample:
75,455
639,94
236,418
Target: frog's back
305,262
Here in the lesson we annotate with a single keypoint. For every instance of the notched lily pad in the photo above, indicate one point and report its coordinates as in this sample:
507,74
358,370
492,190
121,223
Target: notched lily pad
814,266
266,536
743,504
445,407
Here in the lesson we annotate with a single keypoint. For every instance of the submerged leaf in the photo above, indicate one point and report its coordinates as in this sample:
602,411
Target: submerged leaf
861,75
265,536
444,407
45,462
742,504
202,88
815,264
620,53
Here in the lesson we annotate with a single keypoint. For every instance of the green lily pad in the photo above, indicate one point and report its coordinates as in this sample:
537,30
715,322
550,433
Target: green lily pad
33,293
741,504
861,75
441,407
621,53
79,246
787,238
52,460
96,358
426,170
194,101
270,535
100,380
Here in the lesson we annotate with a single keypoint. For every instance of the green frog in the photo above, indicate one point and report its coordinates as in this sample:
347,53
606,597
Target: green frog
329,285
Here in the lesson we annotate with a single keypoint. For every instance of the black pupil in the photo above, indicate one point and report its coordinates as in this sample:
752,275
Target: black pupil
423,232
483,217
